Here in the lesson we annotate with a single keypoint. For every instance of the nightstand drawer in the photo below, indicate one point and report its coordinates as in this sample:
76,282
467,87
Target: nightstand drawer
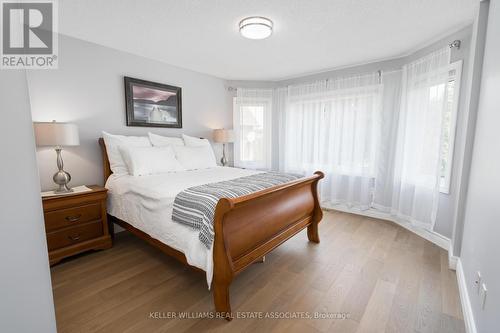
74,235
70,216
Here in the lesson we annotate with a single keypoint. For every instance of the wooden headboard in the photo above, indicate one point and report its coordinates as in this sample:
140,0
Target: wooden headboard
106,168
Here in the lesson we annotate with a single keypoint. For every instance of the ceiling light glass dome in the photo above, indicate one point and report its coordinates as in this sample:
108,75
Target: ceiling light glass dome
256,27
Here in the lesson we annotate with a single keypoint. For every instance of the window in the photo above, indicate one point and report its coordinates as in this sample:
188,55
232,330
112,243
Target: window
449,126
431,106
336,133
252,133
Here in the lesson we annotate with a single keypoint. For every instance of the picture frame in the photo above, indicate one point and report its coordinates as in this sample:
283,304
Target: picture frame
152,104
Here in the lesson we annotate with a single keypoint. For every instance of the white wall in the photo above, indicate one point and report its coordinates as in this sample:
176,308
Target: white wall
480,244
88,89
25,288
468,124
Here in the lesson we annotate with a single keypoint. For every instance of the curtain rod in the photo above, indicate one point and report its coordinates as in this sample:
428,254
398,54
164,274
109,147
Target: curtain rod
379,74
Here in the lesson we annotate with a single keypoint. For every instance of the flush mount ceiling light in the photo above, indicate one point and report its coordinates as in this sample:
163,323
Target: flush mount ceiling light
256,27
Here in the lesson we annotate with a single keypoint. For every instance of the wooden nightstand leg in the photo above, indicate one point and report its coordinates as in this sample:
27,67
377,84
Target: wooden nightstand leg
107,244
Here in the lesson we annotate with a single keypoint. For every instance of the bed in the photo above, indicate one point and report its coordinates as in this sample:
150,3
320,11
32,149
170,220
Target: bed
246,228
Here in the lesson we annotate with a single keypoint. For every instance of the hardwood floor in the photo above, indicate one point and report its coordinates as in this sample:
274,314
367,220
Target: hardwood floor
378,276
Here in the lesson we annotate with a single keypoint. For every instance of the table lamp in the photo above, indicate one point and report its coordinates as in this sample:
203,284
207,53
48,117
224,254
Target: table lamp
57,135
223,136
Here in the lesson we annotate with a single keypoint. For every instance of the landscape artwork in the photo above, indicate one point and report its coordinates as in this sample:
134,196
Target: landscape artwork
152,104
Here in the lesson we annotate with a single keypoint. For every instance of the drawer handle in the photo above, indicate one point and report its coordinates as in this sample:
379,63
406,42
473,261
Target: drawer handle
75,237
73,218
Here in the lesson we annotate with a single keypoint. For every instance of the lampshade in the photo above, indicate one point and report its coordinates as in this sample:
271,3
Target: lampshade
56,134
223,135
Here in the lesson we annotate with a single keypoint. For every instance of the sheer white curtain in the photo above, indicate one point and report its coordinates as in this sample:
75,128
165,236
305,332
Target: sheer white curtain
378,143
415,180
334,126
252,122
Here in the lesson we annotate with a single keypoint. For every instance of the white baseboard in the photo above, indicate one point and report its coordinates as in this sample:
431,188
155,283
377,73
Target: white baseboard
432,236
470,325
452,260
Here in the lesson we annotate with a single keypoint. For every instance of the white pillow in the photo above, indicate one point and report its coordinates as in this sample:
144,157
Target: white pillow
112,142
192,158
192,141
162,141
142,161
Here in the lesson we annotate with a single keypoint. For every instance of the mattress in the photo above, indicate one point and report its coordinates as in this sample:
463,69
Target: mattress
146,203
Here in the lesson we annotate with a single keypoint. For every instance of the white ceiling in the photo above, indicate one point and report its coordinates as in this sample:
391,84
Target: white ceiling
309,36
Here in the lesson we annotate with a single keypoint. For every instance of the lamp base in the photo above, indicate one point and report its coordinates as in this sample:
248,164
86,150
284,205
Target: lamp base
223,160
63,189
62,178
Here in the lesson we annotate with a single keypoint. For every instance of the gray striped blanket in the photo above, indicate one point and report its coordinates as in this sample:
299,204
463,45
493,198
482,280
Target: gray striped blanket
195,206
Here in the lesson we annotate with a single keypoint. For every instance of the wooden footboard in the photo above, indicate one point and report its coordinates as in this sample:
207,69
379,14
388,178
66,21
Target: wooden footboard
249,227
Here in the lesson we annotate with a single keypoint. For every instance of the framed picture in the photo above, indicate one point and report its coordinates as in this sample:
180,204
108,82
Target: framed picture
152,104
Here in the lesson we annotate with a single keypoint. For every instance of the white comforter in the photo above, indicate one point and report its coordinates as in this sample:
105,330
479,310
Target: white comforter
146,202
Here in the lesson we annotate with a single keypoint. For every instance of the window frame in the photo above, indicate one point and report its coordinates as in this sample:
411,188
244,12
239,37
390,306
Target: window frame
445,182
267,104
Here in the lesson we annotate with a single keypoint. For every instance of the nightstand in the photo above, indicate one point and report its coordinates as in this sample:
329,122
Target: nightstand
75,223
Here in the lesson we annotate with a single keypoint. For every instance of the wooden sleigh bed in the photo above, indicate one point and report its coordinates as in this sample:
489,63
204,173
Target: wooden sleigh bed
247,228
